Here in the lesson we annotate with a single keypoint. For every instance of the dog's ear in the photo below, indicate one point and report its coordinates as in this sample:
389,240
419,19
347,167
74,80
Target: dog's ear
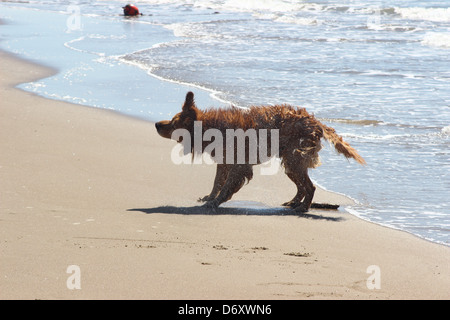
189,102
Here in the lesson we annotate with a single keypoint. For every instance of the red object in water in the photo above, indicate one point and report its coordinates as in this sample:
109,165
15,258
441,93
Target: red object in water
130,10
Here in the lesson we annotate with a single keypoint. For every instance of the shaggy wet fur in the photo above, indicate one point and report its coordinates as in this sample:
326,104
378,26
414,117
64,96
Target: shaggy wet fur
299,143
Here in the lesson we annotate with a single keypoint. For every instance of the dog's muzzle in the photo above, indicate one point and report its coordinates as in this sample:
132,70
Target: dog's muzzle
164,129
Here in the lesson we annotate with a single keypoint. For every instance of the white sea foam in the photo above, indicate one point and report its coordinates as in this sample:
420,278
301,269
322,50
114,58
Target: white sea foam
291,19
413,13
69,44
187,29
262,5
150,71
437,39
246,5
428,14
446,131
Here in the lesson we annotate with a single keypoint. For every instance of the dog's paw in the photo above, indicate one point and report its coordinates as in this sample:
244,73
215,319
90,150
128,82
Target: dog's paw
211,204
301,208
291,204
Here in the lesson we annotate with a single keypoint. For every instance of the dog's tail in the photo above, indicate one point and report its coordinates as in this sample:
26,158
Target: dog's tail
340,145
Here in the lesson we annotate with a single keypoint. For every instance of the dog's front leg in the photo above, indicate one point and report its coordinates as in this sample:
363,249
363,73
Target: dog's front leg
237,174
219,181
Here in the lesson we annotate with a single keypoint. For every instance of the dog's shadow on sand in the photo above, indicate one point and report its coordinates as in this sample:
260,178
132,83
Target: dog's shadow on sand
245,210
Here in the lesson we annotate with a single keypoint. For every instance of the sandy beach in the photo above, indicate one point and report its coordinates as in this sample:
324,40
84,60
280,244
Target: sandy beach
97,190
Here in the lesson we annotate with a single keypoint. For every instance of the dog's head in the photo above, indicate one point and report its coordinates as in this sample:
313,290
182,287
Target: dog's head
183,120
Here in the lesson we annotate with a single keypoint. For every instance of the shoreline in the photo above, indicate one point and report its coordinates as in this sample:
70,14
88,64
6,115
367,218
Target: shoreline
96,188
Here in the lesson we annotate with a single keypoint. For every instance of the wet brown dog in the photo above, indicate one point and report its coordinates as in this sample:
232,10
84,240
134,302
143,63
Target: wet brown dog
298,140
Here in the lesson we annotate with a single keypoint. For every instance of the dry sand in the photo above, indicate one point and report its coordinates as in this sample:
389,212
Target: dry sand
95,189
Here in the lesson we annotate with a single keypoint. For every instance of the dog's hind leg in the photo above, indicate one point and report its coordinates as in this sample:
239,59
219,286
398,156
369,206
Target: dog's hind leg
219,181
296,201
310,190
305,188
237,174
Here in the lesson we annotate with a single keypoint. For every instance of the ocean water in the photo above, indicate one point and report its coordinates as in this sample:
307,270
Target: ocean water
376,71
